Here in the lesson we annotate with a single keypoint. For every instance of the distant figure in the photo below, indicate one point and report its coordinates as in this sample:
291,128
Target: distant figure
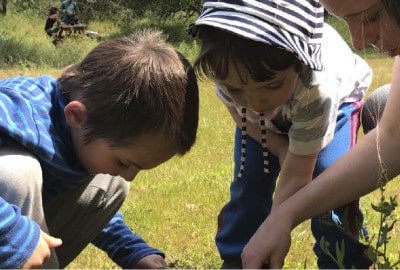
49,27
69,9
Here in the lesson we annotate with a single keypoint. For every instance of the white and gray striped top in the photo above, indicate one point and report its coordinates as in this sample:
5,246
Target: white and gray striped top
311,113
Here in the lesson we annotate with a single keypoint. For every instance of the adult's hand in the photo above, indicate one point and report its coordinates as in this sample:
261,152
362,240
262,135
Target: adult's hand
269,245
152,261
42,251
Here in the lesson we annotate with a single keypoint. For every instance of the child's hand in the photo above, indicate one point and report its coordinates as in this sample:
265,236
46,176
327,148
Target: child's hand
152,261
269,245
277,144
42,251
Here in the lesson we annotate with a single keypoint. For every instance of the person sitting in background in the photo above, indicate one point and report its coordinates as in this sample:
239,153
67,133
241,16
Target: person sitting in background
52,19
69,9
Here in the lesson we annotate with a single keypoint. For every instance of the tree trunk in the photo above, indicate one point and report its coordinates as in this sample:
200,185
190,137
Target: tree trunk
3,7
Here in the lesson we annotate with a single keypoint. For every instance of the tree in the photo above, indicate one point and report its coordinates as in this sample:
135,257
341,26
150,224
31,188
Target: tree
163,9
3,7
121,9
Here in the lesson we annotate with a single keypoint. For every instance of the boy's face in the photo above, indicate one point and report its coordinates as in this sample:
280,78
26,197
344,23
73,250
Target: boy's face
369,24
260,97
145,152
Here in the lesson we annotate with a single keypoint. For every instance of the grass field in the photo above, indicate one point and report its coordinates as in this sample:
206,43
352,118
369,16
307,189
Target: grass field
175,206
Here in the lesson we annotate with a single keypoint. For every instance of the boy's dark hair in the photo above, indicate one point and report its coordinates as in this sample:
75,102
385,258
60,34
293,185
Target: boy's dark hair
221,48
132,86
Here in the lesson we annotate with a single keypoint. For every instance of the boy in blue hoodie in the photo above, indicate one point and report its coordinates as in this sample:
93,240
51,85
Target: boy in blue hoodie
69,148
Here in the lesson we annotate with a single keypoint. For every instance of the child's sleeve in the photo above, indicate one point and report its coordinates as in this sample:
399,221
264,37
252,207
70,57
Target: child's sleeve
19,236
122,245
313,120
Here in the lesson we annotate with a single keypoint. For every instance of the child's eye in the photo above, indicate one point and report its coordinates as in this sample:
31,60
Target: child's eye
274,86
233,90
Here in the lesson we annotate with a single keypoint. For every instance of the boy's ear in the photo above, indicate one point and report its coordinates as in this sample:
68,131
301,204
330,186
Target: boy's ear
75,113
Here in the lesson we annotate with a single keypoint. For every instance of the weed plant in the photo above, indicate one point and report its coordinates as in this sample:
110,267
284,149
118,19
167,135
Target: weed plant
378,249
376,244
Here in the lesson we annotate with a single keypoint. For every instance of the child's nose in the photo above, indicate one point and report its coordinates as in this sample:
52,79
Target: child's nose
256,104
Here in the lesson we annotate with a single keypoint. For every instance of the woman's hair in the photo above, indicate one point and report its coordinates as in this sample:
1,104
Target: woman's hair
392,7
221,49
53,10
132,86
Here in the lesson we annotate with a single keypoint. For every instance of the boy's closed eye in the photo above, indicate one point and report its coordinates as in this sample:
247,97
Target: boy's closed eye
128,164
123,164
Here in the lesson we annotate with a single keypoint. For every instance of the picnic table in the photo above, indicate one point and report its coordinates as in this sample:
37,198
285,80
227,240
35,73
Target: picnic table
74,31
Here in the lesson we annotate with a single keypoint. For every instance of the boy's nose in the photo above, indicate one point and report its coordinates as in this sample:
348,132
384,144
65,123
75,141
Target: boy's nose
129,174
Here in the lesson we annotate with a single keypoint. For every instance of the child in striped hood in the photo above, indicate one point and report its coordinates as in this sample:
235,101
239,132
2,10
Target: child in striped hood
295,90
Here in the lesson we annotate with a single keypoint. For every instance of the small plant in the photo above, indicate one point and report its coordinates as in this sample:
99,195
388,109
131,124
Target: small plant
338,259
377,252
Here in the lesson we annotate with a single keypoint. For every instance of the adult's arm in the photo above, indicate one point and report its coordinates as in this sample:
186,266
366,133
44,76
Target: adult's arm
355,174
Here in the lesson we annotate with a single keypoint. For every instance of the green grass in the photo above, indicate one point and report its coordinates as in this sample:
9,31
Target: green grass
175,206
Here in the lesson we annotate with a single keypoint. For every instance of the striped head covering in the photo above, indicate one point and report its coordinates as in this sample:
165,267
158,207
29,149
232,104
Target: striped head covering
293,25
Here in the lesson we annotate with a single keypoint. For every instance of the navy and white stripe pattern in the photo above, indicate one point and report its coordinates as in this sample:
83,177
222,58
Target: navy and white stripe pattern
264,142
243,149
295,26
244,138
